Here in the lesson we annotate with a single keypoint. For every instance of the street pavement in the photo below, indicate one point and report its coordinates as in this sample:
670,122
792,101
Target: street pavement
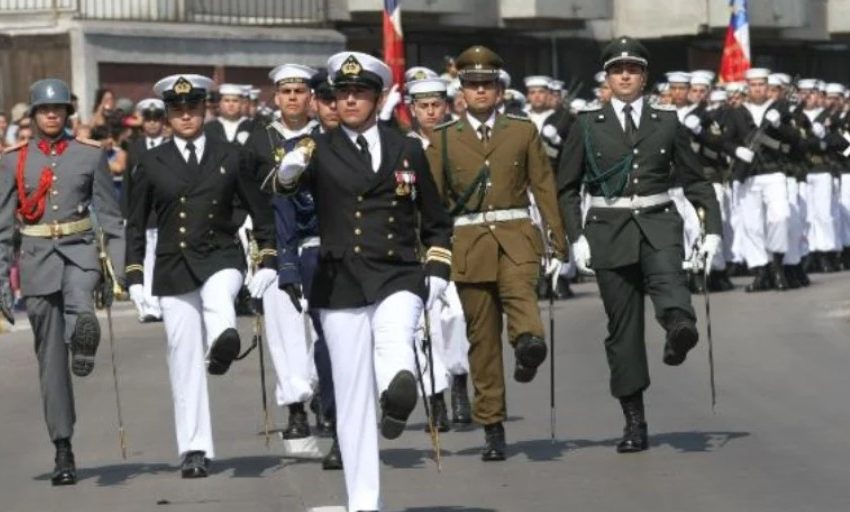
778,440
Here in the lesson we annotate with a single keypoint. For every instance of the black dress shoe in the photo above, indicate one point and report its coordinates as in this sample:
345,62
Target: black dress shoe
461,410
333,460
494,443
298,426
530,353
696,283
635,436
845,258
800,273
64,471
148,319
825,263
682,335
564,291
791,277
397,402
718,281
439,414
224,351
195,465
84,342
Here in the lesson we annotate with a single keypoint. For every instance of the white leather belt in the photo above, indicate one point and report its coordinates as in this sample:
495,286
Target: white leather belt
308,242
631,203
472,219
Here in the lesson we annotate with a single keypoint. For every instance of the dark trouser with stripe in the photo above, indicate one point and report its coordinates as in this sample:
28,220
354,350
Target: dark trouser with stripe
53,318
658,274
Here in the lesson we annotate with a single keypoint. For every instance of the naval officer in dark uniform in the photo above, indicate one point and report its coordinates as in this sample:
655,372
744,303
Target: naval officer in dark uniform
190,182
379,214
628,154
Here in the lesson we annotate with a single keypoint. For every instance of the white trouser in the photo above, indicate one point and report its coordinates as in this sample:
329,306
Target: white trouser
448,338
822,234
736,223
844,208
192,322
150,307
723,194
691,229
290,347
368,346
796,224
248,225
803,204
764,218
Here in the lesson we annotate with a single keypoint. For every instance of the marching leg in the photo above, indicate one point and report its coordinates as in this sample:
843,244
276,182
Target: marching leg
219,319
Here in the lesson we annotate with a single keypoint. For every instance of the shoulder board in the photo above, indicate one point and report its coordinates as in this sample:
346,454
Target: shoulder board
517,117
663,108
445,125
88,142
590,108
15,147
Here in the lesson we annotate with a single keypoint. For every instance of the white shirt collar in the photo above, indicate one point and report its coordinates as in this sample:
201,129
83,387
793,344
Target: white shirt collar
291,134
475,123
156,142
637,110
373,139
200,144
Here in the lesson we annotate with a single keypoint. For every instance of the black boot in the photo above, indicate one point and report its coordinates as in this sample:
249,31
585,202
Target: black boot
800,273
635,437
195,465
845,258
791,277
494,443
299,426
682,335
333,460
834,258
324,424
397,402
530,353
439,413
65,471
718,281
777,273
564,291
761,280
825,263
461,411
84,342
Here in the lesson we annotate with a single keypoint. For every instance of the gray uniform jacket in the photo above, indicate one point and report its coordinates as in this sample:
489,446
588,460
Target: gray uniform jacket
81,180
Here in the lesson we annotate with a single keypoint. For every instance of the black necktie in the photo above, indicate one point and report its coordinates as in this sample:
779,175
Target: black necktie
364,149
193,157
150,144
484,131
630,128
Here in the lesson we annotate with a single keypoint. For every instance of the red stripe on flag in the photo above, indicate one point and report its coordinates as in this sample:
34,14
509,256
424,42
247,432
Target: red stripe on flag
394,57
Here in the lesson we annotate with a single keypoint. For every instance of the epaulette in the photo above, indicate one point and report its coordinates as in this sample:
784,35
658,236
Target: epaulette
518,117
664,108
88,142
15,147
446,124
591,108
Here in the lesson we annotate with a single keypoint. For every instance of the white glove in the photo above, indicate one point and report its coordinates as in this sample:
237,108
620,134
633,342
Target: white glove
818,130
393,99
772,116
260,281
291,166
693,124
436,287
137,295
708,249
553,272
745,154
551,134
581,254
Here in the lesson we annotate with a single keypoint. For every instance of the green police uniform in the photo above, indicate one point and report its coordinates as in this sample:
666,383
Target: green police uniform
633,229
484,180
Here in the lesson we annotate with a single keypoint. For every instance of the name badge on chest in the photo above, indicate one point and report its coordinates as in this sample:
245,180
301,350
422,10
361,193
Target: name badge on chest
405,182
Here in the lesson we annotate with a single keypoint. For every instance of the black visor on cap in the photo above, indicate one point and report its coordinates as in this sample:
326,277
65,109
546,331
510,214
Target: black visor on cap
364,79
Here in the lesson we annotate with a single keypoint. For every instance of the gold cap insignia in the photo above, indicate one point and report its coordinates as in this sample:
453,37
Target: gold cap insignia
182,86
420,75
351,67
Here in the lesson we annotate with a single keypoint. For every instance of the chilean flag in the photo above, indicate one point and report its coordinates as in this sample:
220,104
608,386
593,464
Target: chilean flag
736,49
394,51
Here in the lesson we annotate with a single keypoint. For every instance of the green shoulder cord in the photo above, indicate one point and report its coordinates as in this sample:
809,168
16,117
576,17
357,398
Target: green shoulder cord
479,184
595,176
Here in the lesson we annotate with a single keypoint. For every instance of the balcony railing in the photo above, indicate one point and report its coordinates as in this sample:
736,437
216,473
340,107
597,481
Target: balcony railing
218,12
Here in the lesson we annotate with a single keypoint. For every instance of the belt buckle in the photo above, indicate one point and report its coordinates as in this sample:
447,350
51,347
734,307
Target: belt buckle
635,202
484,216
55,230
